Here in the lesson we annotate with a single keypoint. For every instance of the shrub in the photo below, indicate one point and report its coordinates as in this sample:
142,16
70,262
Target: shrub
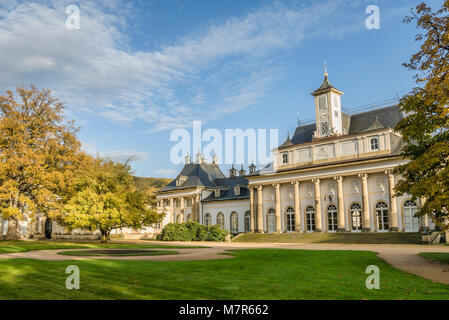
192,231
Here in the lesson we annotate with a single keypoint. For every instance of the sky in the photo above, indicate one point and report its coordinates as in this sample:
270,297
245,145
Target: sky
134,71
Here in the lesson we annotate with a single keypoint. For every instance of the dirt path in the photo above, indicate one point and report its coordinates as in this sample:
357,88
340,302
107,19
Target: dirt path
403,257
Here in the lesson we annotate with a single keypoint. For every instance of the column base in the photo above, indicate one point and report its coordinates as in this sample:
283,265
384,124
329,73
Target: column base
394,229
278,231
318,230
366,230
259,231
341,230
422,229
298,231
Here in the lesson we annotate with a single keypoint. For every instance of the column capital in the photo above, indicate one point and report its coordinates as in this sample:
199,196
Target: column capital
316,180
338,178
296,183
363,175
276,185
389,172
259,187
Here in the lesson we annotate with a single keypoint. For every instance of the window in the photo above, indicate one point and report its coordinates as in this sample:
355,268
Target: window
310,218
382,216
356,217
207,220
234,223
322,102
237,191
290,219
332,220
188,202
217,193
374,143
220,220
284,158
271,220
189,217
247,221
177,203
411,223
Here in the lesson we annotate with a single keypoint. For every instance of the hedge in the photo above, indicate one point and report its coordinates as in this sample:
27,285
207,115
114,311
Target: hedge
192,231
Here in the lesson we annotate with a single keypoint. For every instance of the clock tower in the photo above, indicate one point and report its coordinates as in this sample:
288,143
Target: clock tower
327,110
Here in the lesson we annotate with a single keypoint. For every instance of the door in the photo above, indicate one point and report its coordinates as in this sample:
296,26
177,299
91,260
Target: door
290,220
48,228
411,223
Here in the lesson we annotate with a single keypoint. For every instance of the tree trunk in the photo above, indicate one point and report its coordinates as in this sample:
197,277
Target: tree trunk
12,233
2,227
104,236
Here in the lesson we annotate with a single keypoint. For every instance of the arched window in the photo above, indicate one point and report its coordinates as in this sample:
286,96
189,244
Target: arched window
332,220
189,217
207,219
356,217
374,143
290,215
234,223
310,218
382,216
220,220
271,220
411,223
178,218
247,221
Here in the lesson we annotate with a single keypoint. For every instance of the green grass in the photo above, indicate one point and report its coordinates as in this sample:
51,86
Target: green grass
437,256
7,246
344,237
252,274
116,253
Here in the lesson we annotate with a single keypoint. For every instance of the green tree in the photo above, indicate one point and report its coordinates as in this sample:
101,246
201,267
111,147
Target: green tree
105,198
425,128
39,156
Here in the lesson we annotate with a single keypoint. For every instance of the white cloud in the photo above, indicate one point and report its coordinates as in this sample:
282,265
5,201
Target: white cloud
116,155
220,70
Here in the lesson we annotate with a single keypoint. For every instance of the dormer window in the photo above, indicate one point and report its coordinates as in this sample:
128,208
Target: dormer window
285,158
217,193
180,180
237,191
374,142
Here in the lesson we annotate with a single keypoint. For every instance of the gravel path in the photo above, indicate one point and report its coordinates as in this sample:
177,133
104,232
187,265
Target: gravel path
403,257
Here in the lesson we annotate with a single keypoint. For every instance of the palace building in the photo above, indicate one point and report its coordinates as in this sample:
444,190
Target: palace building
335,175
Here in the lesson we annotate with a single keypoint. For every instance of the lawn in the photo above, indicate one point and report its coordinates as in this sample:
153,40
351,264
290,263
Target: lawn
116,253
7,246
252,274
438,256
343,237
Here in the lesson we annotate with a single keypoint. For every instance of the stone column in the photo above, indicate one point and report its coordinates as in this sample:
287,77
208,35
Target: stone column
196,216
181,207
278,207
393,217
318,223
259,210
297,208
251,204
341,205
366,223
172,211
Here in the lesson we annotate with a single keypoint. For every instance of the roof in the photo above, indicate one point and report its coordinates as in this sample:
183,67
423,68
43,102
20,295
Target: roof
325,86
196,175
352,124
227,190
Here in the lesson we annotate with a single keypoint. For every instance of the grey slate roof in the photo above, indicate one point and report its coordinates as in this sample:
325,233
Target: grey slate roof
361,122
226,186
198,175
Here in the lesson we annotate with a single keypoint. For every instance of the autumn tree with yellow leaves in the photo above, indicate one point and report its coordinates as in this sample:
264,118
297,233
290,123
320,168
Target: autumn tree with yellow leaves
39,157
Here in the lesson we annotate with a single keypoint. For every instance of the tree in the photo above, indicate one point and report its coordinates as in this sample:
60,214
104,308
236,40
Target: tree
106,198
39,156
425,127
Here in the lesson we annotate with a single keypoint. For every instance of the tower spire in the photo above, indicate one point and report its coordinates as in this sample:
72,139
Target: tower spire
325,68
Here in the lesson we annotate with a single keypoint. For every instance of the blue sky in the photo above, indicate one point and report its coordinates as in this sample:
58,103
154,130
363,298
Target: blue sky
135,71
